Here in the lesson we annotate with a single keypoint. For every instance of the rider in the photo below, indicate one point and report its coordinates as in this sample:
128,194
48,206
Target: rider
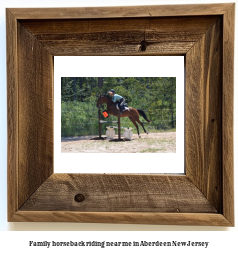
118,99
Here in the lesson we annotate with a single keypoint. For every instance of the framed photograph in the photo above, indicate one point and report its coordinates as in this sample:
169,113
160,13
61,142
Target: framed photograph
77,125
202,195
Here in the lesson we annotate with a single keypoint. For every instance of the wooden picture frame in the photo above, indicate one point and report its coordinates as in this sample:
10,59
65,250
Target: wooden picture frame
204,34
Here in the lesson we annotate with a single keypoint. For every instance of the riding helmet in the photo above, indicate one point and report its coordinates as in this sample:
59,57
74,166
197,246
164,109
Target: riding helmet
112,90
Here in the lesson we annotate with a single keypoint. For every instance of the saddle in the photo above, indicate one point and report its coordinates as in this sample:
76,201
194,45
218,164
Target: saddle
125,107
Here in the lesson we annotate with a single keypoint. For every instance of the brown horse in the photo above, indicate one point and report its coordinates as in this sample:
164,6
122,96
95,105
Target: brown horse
132,113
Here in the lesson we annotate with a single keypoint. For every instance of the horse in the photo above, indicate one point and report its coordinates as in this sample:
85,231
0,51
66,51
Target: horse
132,113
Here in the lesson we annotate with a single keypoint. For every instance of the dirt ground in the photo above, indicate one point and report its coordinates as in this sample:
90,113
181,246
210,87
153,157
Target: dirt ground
164,142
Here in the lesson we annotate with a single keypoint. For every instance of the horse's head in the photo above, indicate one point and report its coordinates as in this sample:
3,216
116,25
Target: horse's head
102,99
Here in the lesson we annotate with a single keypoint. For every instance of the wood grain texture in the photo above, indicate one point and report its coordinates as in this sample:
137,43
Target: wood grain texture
192,219
71,48
189,26
12,114
204,115
227,113
114,193
35,35
35,114
121,12
119,36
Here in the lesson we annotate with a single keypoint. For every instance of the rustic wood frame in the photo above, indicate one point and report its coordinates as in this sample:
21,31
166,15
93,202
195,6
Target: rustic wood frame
202,33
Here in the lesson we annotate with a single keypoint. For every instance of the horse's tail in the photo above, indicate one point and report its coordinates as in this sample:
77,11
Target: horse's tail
142,113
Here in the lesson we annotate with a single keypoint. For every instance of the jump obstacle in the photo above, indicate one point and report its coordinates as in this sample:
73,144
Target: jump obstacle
100,128
110,133
119,129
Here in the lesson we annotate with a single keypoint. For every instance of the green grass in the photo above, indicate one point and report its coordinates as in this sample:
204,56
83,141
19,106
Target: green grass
153,130
151,150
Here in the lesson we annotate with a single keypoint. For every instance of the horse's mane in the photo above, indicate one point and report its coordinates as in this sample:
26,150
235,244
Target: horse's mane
108,97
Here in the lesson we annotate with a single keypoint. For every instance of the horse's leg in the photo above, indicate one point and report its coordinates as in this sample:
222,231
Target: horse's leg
142,126
137,119
134,122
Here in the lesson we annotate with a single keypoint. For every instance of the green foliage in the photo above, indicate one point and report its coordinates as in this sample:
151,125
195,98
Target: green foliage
156,96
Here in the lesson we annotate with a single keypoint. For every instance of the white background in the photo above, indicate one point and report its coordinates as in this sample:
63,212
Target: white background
17,241
119,66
